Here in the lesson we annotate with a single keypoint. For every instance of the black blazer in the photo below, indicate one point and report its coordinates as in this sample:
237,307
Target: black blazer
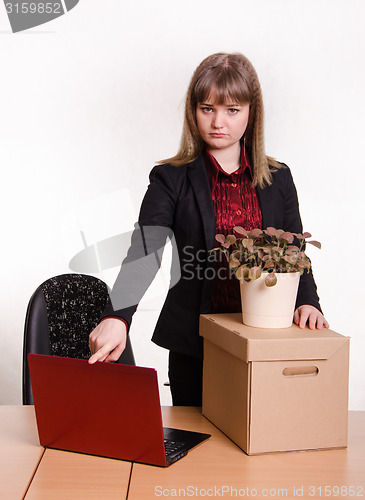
178,202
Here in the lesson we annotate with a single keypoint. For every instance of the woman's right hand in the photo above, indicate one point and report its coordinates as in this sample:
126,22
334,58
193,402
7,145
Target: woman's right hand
107,341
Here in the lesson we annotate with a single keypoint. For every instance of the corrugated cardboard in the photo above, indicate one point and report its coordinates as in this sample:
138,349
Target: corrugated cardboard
275,390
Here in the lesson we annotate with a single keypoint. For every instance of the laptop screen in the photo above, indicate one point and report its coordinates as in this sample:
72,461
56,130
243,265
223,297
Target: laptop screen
103,409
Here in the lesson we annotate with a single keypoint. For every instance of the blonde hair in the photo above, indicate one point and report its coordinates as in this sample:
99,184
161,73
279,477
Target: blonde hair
229,76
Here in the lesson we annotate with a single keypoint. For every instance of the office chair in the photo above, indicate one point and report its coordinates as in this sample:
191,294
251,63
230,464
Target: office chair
60,316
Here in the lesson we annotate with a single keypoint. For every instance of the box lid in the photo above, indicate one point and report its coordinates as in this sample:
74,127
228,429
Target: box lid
263,344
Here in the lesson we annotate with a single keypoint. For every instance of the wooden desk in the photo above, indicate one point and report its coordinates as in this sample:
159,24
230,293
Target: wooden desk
20,451
52,474
219,463
63,475
217,467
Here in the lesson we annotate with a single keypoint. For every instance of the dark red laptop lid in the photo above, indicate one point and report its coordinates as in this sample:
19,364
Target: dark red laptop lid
102,409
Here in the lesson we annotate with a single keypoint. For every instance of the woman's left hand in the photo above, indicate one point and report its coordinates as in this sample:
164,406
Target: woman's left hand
312,315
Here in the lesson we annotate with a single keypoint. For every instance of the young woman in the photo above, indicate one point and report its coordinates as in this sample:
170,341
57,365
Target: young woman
220,178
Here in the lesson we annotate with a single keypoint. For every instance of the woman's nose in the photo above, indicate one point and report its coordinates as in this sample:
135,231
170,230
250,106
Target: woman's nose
218,120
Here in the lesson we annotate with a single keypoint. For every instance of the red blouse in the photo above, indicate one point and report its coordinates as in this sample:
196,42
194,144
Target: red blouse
235,203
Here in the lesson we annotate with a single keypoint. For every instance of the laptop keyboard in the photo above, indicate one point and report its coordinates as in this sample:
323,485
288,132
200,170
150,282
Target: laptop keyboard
172,447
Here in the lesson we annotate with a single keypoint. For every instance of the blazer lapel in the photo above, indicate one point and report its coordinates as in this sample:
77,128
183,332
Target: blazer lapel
200,184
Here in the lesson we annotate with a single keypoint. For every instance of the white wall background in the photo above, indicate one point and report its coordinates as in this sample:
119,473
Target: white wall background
91,100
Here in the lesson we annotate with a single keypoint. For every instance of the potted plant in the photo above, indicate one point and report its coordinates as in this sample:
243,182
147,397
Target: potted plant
268,264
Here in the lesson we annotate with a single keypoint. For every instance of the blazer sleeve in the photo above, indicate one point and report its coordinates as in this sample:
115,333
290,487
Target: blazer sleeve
143,260
307,291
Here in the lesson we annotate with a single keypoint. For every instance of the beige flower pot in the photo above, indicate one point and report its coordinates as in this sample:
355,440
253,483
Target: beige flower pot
269,307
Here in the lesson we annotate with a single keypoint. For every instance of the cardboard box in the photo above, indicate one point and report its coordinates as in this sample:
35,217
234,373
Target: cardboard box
272,390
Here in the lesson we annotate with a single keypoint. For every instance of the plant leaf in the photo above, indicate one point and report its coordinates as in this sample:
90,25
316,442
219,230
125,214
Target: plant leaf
271,231
247,243
287,236
240,230
271,280
233,264
231,239
315,243
292,259
220,238
255,233
254,273
235,256
242,273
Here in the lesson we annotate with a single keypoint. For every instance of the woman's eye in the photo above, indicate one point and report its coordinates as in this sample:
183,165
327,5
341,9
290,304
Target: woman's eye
206,109
232,111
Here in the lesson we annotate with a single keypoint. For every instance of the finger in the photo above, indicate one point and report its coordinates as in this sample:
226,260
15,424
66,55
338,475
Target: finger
115,355
97,357
320,321
312,321
100,355
326,324
94,358
303,318
112,357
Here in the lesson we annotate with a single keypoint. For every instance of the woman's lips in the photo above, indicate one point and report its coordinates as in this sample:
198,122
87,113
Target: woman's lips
216,134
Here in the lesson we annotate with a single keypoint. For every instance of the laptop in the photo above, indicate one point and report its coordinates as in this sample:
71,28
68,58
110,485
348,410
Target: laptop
104,409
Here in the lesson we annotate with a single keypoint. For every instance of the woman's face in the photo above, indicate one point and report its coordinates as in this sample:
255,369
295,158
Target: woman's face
221,126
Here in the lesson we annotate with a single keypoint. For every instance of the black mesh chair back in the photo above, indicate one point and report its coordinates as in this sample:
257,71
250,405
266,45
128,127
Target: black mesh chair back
60,316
